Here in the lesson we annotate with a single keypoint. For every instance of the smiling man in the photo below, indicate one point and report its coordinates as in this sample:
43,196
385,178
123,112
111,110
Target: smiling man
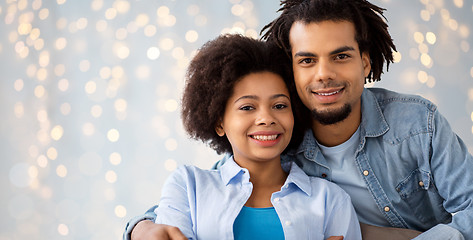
394,154
329,71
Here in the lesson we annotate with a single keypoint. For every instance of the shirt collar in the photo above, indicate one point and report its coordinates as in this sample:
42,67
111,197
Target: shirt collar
299,179
373,122
230,170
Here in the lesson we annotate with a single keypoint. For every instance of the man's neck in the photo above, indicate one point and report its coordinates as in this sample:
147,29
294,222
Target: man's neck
338,133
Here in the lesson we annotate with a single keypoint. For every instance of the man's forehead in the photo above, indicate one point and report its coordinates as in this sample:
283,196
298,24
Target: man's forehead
326,35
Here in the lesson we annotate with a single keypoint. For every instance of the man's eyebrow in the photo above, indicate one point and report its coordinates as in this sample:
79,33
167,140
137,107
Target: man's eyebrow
305,54
336,51
342,49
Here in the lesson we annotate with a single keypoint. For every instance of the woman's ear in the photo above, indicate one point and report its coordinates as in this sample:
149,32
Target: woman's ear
219,130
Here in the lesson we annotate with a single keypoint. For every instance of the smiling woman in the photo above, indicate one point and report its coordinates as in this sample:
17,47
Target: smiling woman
253,126
258,120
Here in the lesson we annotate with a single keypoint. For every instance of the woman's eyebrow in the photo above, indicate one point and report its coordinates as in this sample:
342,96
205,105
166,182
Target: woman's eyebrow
246,97
256,97
279,95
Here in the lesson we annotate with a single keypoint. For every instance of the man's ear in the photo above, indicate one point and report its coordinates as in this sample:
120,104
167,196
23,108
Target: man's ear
366,60
219,130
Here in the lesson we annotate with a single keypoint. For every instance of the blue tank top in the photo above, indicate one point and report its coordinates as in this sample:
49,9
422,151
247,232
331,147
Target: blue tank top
257,223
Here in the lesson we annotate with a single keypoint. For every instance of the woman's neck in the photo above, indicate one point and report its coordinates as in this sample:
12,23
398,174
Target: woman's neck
267,178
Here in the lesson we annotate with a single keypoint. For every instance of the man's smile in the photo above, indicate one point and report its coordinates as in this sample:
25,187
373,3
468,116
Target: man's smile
327,92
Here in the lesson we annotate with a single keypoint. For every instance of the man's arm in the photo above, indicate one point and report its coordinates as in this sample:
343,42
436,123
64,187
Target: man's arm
148,230
452,168
441,231
130,226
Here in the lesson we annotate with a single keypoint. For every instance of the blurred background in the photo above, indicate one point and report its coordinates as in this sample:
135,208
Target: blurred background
90,96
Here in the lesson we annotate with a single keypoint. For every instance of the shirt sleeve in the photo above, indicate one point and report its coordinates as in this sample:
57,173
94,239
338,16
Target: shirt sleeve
149,215
342,220
441,231
176,206
452,167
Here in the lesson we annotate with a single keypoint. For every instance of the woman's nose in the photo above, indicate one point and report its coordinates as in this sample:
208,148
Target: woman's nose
265,117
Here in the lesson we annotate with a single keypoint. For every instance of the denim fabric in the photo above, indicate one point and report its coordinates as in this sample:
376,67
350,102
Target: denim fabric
205,203
418,171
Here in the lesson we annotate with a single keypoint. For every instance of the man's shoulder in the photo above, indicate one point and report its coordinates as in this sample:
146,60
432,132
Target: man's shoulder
405,115
387,98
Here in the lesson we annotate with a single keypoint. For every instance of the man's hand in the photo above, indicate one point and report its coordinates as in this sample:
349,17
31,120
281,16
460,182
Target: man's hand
335,238
370,232
148,230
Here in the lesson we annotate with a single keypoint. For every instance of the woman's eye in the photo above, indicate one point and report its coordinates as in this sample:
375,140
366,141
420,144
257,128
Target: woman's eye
280,106
246,108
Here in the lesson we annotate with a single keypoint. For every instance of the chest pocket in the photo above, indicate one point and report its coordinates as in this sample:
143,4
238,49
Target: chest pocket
419,192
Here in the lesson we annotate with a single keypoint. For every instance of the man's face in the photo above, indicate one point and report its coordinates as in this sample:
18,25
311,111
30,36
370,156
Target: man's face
329,70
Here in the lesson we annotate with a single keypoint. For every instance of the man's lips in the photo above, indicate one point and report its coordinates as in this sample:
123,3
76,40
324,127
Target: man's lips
328,96
327,92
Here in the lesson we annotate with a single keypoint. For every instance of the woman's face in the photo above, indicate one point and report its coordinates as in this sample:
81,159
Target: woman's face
258,118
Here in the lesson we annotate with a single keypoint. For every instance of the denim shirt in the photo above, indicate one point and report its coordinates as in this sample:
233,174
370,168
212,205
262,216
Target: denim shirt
417,170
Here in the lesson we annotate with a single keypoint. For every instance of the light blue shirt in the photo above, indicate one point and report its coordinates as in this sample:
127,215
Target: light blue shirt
341,161
204,204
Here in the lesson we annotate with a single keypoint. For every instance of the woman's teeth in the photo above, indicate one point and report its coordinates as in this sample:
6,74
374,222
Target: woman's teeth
265,137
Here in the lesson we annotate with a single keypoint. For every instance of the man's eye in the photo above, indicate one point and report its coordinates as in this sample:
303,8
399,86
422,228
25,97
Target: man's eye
342,56
306,61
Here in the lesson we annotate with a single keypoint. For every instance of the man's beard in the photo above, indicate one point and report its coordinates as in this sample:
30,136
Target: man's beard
329,117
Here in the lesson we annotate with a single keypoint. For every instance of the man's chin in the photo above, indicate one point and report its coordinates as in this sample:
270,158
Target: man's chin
333,116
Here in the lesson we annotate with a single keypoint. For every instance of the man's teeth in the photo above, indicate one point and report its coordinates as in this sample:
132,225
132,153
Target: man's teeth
265,137
328,94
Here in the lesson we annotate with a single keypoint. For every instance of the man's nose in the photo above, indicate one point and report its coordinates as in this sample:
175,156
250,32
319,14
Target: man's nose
324,70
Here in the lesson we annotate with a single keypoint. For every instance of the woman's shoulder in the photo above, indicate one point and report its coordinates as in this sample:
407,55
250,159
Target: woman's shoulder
330,189
193,173
318,186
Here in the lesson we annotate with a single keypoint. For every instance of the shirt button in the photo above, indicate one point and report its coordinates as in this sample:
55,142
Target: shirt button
421,183
324,175
386,209
366,172
288,223
276,199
